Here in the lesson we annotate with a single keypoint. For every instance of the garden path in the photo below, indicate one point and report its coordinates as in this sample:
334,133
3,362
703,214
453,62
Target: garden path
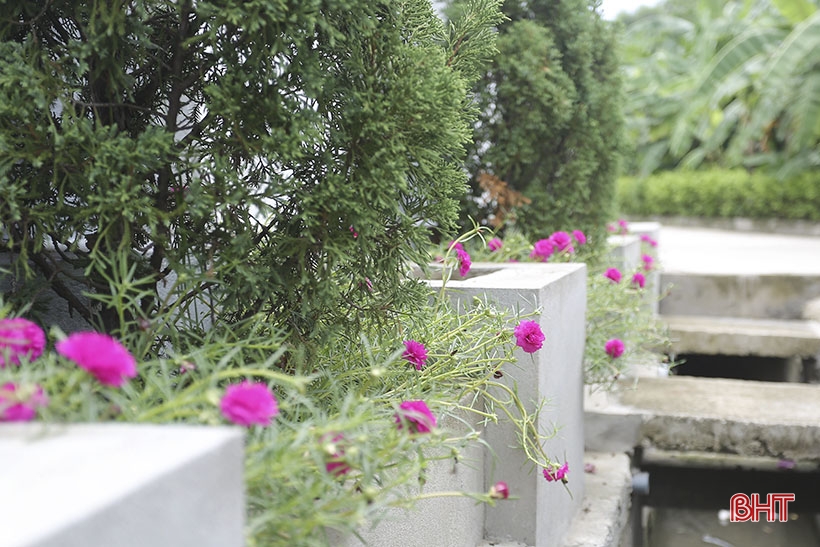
701,250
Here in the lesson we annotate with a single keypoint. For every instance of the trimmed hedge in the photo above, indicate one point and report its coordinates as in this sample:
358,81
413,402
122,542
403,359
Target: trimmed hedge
720,193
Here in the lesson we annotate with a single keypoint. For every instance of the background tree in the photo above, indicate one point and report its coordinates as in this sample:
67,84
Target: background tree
271,159
550,124
725,84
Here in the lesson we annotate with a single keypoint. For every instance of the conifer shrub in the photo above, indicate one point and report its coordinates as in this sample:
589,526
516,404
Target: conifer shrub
551,123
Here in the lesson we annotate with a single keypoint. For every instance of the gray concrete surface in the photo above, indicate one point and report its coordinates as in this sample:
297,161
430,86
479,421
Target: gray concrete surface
701,250
682,413
743,336
119,485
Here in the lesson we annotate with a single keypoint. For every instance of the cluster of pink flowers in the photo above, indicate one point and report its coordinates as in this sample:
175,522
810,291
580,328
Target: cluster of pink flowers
559,474
335,444
621,228
249,403
20,339
415,353
558,242
542,250
613,274
646,238
101,355
416,416
614,348
528,336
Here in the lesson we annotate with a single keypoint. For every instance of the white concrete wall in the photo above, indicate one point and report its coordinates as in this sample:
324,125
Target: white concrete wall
542,512
121,485
445,521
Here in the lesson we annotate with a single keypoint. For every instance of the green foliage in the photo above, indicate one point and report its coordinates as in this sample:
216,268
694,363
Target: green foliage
550,123
237,146
353,390
721,193
614,310
726,84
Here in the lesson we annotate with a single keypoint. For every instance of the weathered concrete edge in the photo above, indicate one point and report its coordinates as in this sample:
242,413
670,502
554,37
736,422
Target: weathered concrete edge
605,513
739,224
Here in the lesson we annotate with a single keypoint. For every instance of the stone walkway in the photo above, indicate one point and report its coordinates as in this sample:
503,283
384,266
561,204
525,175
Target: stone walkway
701,250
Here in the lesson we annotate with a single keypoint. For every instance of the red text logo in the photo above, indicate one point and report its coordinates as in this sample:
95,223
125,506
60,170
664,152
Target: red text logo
743,508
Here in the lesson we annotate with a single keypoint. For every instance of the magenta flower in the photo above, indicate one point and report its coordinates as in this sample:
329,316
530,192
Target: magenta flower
610,228
614,274
639,279
249,403
648,262
542,250
494,244
415,352
500,491
20,338
416,415
614,348
455,245
20,405
579,237
647,239
561,241
101,355
335,448
464,262
354,232
528,336
624,226
557,474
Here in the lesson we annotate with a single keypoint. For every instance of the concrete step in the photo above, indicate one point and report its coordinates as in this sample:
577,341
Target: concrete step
689,414
743,336
775,296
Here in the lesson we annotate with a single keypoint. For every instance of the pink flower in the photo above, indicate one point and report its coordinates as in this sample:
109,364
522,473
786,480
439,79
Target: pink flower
102,356
542,250
610,228
579,237
494,244
416,415
335,448
562,240
624,226
500,491
249,403
639,279
528,336
647,239
648,262
354,232
20,405
455,245
415,352
613,274
464,262
558,474
614,348
20,338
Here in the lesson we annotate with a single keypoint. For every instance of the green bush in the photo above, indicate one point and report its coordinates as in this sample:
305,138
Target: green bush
551,120
720,193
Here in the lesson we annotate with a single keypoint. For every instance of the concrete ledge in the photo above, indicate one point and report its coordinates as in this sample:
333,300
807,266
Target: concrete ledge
741,224
774,296
685,414
118,485
604,514
743,336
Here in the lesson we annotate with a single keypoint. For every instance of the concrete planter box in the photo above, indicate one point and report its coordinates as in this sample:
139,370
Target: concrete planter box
542,512
119,485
